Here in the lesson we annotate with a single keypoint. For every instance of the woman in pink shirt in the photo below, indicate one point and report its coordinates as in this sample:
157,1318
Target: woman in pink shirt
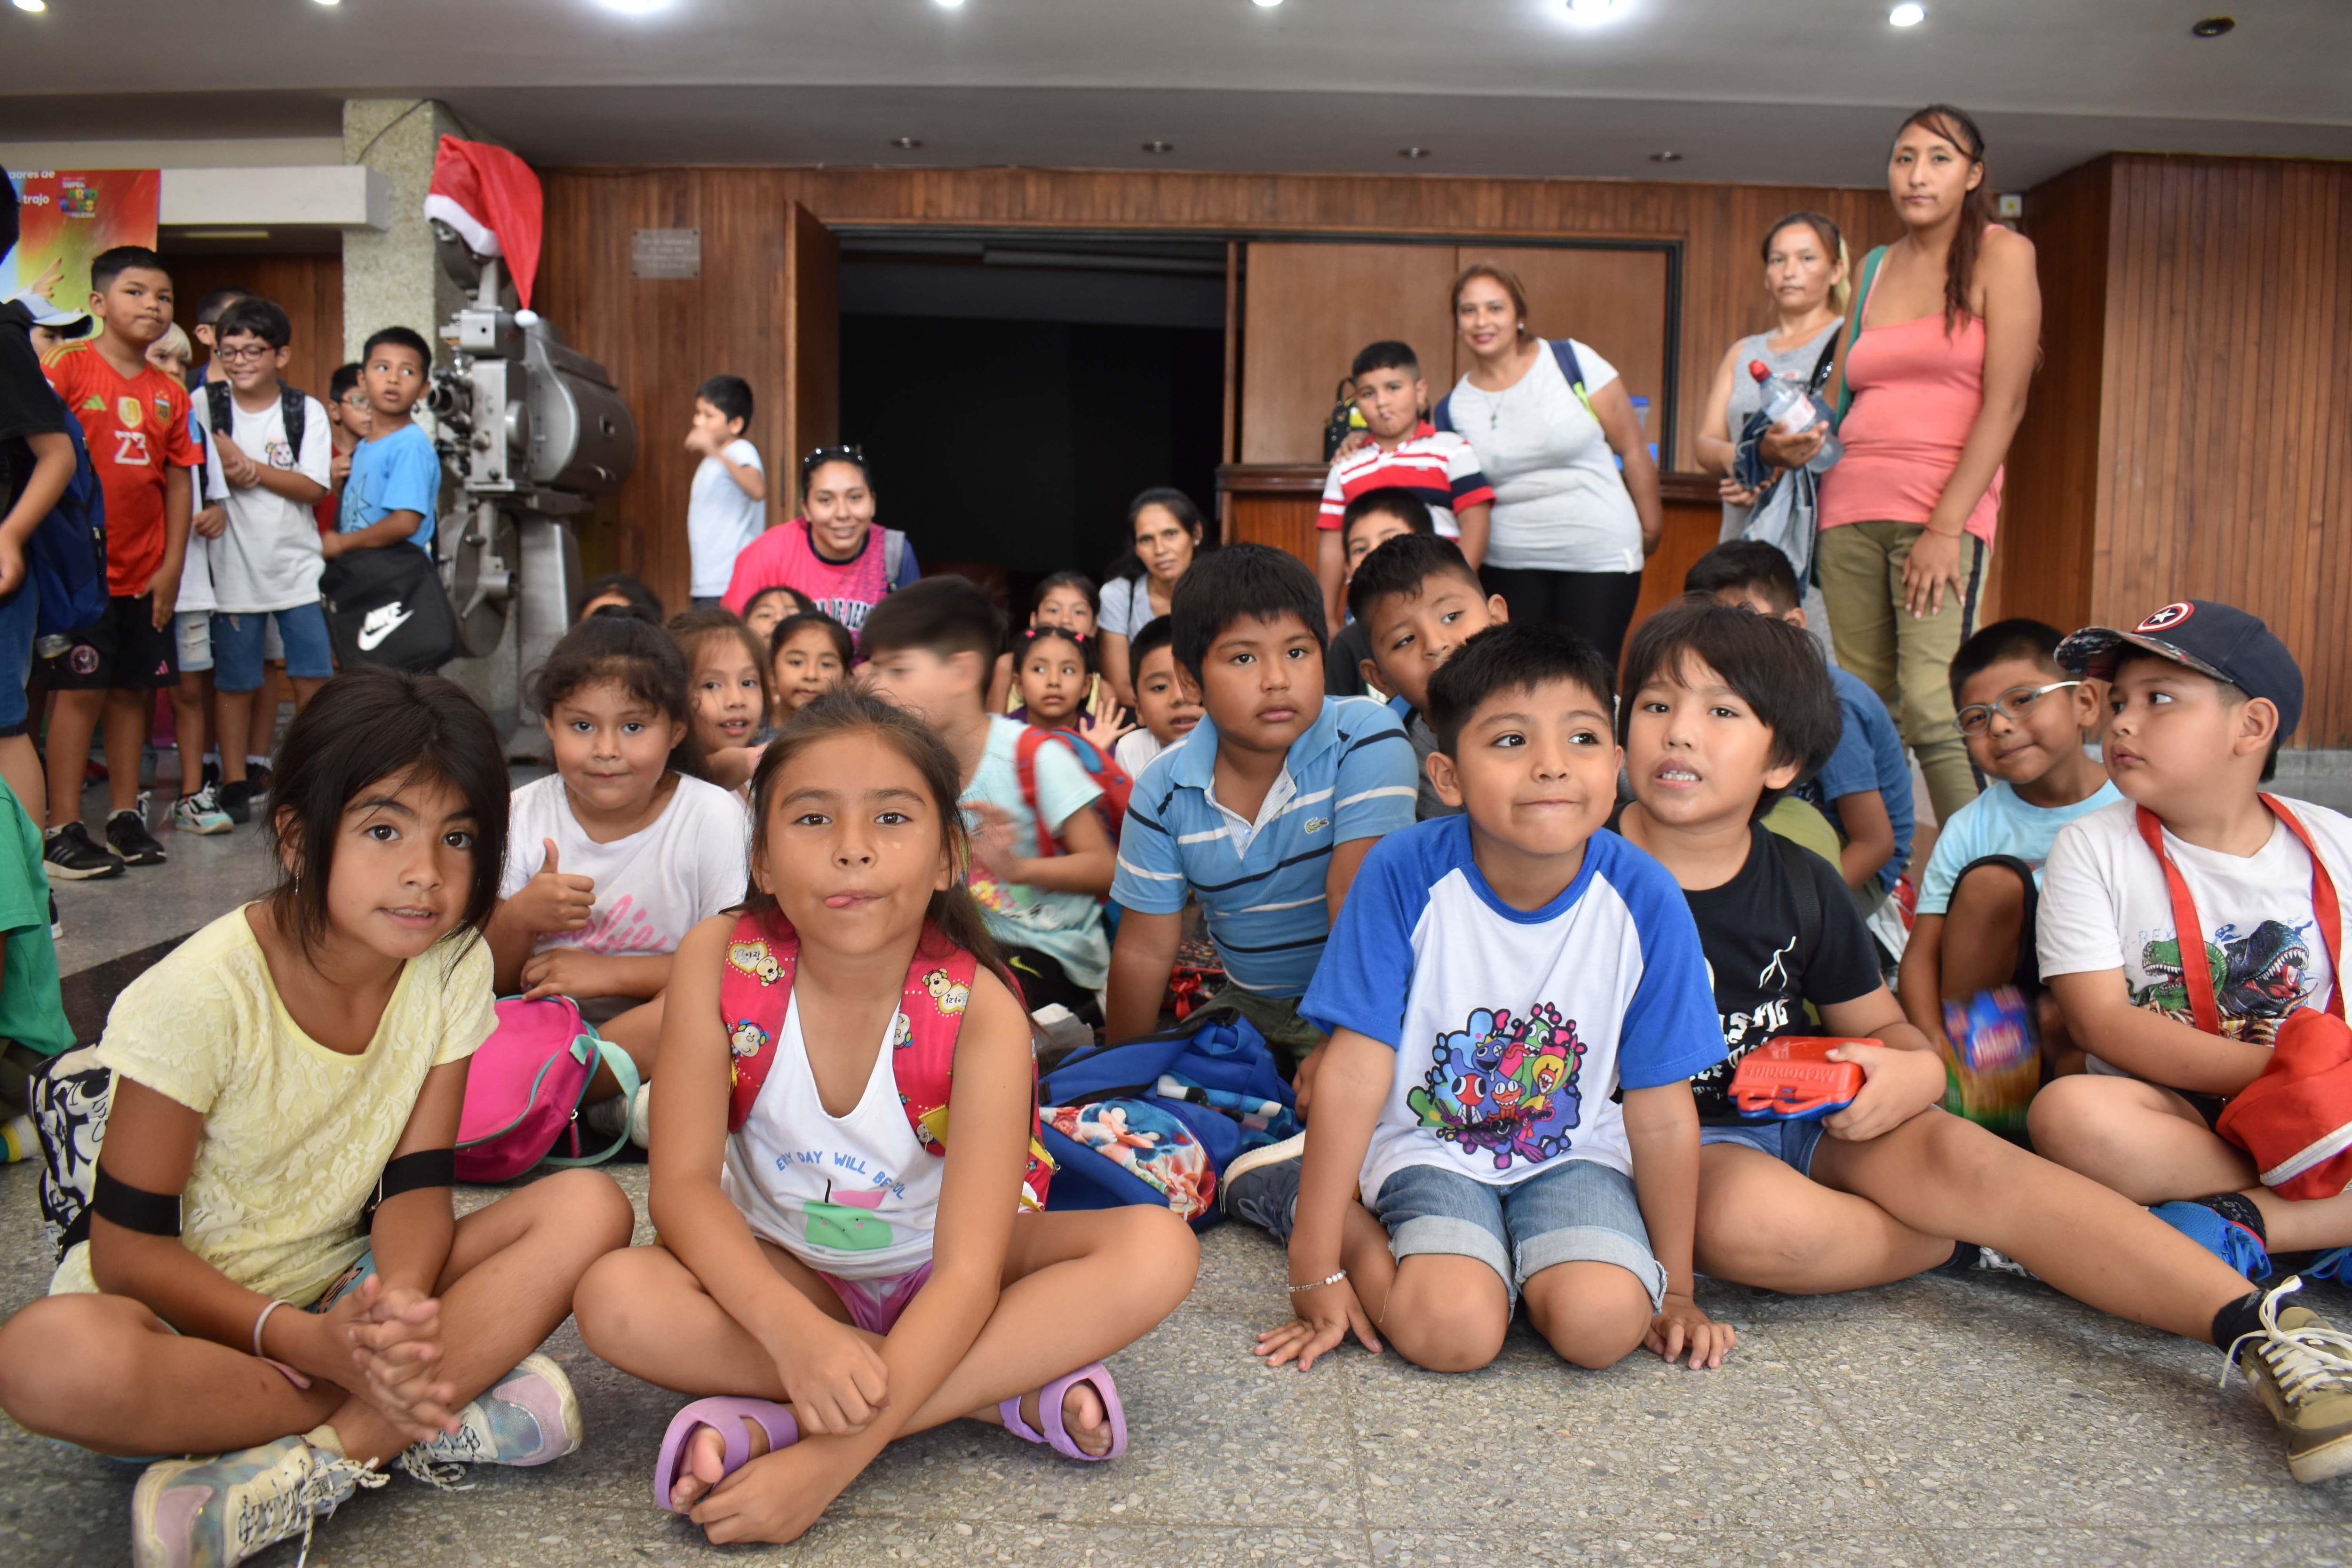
833,554
1939,352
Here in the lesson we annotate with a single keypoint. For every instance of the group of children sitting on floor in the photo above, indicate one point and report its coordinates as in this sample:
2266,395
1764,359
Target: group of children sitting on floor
1509,933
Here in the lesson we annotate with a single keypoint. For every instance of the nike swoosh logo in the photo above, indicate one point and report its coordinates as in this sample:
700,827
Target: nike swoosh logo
378,626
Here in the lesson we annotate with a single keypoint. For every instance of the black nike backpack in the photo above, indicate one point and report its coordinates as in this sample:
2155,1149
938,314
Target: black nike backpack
387,607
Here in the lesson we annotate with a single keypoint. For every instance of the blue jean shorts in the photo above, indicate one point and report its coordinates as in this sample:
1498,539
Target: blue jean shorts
1790,1142
238,646
18,612
1569,1211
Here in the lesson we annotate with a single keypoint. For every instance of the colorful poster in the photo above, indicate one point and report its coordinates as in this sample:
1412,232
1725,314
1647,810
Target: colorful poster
67,217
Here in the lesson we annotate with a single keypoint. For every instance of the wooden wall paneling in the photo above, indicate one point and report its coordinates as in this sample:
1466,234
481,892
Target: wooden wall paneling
1309,309
2042,559
1692,529
308,288
1613,299
811,285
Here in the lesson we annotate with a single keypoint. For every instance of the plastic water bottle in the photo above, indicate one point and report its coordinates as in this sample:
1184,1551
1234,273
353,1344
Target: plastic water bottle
1792,408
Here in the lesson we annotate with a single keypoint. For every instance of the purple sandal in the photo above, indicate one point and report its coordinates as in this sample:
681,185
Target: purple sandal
724,1415
1049,1415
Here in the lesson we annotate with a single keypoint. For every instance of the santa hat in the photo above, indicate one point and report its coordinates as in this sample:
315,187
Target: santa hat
491,198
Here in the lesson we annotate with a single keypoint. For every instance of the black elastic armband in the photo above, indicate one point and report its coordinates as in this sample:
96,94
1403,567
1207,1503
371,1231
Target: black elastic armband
134,1208
406,1173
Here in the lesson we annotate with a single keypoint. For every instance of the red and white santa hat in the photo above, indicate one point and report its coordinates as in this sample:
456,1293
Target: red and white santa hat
491,198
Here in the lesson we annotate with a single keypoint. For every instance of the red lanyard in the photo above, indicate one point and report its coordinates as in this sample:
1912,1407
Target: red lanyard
2188,934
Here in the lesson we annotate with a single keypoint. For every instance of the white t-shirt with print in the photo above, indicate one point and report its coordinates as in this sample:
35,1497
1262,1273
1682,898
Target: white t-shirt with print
2104,906
1560,504
721,519
689,864
269,559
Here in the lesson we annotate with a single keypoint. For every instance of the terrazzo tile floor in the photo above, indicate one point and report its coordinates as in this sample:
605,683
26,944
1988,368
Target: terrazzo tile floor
1970,1423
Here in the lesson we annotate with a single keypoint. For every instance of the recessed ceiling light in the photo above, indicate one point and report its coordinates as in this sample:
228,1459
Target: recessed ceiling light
1908,15
2213,27
1667,157
622,8
1160,146
906,143
330,2
1416,154
31,5
948,5
1268,4
1594,10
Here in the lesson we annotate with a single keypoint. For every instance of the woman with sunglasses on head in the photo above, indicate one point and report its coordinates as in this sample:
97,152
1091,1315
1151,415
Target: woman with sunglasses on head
833,554
1939,353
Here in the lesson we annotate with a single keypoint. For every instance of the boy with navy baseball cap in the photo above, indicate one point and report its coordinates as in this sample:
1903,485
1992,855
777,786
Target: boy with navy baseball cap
2179,928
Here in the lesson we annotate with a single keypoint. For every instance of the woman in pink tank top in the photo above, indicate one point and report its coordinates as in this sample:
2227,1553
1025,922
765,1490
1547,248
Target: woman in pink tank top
1939,353
835,555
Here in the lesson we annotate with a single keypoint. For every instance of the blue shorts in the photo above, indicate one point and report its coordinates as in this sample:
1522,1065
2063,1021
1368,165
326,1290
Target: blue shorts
1790,1142
18,611
238,646
1569,1211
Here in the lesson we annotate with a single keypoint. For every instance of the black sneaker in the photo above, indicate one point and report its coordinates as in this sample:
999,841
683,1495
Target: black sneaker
237,799
127,835
1262,1187
68,852
212,776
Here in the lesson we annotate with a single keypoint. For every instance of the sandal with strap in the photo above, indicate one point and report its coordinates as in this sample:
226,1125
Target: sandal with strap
724,1415
1049,1415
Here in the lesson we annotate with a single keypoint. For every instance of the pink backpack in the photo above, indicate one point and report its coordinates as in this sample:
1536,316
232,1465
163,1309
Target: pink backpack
523,1090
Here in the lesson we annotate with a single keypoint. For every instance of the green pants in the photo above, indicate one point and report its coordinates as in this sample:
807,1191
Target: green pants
1290,1036
1906,660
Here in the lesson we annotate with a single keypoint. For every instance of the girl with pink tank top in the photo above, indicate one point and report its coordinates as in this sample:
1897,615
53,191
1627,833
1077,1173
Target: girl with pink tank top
834,555
1939,357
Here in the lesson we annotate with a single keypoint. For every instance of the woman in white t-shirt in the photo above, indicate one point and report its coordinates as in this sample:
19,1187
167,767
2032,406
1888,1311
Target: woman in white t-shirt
613,857
1164,528
1569,531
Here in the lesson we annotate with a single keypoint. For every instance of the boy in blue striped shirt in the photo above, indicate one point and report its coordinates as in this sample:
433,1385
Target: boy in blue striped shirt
1263,812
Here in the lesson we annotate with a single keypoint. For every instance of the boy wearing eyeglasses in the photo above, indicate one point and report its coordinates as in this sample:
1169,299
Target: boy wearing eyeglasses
1864,789
2023,718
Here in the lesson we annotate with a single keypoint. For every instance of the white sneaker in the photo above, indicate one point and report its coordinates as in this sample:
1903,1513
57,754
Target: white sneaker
214,1512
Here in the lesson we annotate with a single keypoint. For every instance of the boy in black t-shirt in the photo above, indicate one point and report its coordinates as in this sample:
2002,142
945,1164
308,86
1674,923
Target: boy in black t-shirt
1723,710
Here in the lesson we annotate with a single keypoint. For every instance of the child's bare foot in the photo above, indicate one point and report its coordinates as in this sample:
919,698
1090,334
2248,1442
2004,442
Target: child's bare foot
1084,1416
706,1462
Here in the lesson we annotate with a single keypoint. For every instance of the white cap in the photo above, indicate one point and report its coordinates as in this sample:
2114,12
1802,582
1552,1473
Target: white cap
54,317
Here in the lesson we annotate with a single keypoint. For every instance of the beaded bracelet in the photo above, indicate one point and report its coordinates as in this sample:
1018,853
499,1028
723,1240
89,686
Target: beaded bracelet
1319,1284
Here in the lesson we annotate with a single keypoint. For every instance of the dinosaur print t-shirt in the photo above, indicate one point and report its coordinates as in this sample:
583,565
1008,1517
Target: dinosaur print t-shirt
1512,1028
854,1195
2104,906
652,887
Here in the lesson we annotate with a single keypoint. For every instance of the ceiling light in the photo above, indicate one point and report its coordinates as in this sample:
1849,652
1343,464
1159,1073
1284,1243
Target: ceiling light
330,2
906,143
1908,15
623,7
31,5
1666,157
948,5
1416,154
2213,27
1160,146
1594,10
1268,4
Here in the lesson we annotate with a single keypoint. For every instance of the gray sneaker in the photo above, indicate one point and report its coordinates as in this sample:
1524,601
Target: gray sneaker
1262,1187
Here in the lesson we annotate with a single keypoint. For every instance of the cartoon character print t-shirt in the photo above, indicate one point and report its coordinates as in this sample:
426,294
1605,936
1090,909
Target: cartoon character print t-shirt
2104,906
1767,954
1512,1028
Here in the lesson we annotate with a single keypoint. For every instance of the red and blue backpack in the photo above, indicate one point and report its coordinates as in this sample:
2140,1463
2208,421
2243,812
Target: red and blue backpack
756,988
1109,776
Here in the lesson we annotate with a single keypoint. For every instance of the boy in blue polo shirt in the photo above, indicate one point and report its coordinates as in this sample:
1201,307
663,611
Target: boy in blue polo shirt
1493,982
1263,812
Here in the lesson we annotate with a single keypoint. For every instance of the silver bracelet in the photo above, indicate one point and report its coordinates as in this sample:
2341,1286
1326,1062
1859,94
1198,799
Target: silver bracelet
1319,1284
256,1327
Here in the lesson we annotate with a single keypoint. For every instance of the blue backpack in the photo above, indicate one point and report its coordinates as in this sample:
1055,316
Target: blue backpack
1562,350
1157,1121
66,558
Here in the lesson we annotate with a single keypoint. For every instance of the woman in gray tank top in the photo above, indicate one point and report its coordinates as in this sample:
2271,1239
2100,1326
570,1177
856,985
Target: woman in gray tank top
1805,273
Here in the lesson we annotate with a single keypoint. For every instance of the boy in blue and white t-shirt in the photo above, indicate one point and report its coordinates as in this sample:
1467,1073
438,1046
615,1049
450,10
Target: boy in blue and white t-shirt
726,508
1494,980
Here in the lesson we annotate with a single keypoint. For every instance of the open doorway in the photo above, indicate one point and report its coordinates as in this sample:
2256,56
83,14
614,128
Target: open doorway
1013,395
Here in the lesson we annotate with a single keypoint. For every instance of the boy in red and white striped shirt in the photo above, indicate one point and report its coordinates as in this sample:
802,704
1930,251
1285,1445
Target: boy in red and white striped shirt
1404,451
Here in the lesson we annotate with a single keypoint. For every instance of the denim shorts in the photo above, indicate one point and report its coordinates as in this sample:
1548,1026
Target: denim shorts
1570,1210
194,628
18,612
238,649
1790,1142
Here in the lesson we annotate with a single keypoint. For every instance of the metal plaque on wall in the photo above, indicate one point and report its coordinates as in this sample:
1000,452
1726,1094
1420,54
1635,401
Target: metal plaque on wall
665,253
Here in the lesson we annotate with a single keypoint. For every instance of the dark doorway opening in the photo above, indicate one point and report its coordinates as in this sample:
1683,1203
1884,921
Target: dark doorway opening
1013,397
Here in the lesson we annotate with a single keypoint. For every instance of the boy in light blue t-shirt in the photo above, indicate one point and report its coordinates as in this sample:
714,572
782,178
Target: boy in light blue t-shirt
1493,981
395,485
2024,718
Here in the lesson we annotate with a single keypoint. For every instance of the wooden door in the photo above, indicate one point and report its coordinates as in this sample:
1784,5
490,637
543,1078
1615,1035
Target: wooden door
810,311
1308,309
1613,299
